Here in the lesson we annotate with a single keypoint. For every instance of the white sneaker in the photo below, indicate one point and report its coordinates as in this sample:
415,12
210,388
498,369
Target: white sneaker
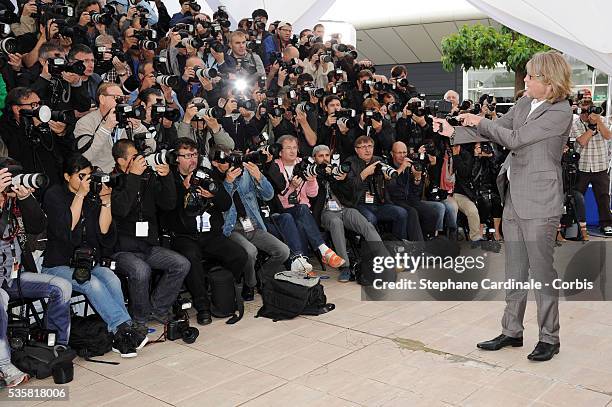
13,376
301,264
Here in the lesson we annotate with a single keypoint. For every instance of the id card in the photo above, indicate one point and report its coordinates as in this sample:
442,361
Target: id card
15,269
203,222
332,205
247,225
142,229
369,198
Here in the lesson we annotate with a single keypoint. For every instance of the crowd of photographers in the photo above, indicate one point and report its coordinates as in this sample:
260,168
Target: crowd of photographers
124,124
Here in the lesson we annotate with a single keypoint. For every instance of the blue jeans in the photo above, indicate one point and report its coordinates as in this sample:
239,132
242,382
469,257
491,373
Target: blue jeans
440,210
306,224
138,267
397,215
282,225
103,290
450,217
35,285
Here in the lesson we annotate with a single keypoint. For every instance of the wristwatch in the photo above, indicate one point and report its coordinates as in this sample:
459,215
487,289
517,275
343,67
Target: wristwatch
106,205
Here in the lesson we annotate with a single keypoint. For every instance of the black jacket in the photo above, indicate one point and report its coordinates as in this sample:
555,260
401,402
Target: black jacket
139,200
341,189
46,157
360,187
61,239
179,223
337,142
462,164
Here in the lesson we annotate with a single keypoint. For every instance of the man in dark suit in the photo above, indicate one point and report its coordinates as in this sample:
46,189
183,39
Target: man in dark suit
531,186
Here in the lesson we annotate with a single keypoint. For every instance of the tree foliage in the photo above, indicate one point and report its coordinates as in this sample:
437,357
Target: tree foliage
479,46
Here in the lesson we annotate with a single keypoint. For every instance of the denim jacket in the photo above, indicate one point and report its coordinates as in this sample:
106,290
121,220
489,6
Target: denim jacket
249,191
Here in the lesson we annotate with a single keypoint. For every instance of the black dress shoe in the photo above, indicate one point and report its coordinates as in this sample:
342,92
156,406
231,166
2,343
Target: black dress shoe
544,351
500,342
248,293
204,318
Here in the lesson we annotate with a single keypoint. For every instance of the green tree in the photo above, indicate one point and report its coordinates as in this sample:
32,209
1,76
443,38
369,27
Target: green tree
479,46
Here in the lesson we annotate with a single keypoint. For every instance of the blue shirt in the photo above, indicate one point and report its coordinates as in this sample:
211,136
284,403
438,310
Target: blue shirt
152,14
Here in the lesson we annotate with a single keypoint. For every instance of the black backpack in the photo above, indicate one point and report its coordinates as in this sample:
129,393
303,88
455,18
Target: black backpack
89,337
41,361
286,300
223,303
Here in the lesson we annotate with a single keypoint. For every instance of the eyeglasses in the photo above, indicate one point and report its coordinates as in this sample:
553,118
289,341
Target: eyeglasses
366,147
33,105
534,76
189,156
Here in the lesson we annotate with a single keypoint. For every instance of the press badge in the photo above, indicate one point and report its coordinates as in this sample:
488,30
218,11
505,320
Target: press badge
203,222
332,205
247,225
369,198
142,229
15,269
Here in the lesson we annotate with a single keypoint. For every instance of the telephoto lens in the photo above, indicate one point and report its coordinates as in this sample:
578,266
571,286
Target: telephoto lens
172,81
35,181
147,44
215,112
206,73
387,170
163,157
8,45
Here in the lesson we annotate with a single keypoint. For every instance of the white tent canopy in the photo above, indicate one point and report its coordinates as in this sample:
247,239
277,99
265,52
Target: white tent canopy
558,24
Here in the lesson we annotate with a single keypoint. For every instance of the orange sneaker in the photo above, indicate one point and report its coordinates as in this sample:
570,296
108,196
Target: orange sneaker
330,258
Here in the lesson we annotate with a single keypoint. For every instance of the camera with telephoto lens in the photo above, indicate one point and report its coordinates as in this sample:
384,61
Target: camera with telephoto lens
35,181
305,107
64,29
205,73
305,169
106,17
59,65
46,11
291,67
18,333
172,81
442,109
387,170
247,104
202,177
189,28
215,112
590,110
124,111
347,117
160,111
394,107
417,108
308,91
194,6
214,44
331,171
193,42
83,261
178,327
163,157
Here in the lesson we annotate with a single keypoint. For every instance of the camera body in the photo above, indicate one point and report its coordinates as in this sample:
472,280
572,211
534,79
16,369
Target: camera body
178,327
59,65
387,170
18,333
83,261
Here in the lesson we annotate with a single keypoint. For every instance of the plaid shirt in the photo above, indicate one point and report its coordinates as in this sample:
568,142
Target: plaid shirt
594,156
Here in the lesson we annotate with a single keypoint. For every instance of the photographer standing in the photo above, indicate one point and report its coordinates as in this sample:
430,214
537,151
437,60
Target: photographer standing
241,62
196,223
81,231
38,146
591,134
18,276
338,135
148,190
96,132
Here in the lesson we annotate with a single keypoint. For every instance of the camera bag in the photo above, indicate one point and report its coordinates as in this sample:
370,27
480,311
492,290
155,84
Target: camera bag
41,361
89,337
289,295
223,302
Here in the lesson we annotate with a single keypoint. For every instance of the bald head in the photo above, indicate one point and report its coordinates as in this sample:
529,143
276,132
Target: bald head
399,151
194,61
289,53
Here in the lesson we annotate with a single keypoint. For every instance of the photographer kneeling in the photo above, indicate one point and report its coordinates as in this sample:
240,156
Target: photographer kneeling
80,232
